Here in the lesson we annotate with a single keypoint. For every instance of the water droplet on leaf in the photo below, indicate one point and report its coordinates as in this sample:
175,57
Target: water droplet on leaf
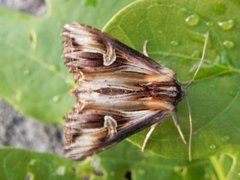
179,169
209,24
192,20
53,68
225,138
26,72
226,25
174,43
56,99
228,44
213,146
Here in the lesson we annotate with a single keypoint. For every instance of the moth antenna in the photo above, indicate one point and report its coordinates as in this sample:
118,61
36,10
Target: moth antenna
201,60
190,131
145,48
176,122
148,136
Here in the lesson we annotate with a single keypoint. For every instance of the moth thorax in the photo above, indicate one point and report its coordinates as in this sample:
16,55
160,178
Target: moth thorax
170,92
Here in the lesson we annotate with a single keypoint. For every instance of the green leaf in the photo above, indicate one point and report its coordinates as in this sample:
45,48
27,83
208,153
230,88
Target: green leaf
91,2
22,164
126,160
33,77
175,32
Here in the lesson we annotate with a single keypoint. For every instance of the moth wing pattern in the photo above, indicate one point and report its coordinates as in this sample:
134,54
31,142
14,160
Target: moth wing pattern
120,91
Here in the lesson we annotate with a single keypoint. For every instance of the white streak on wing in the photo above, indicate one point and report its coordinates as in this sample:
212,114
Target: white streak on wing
85,40
135,69
110,56
168,88
123,102
119,81
138,116
77,29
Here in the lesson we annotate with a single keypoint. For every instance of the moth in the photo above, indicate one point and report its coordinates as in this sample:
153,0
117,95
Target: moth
120,92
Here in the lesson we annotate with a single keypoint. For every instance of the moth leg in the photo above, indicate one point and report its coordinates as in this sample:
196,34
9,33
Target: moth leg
145,48
111,124
176,122
190,130
148,136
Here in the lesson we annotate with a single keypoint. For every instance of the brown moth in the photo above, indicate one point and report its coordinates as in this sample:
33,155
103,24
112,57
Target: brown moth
120,91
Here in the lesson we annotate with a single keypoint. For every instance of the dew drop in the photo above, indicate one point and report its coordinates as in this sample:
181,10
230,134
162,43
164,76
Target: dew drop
192,20
53,68
226,25
56,99
228,44
213,146
26,72
225,138
174,43
179,169
210,24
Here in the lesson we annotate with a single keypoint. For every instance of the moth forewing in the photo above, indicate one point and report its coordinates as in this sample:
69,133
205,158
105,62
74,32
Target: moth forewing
120,91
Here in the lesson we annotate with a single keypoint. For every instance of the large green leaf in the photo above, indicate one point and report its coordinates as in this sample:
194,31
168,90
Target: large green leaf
175,32
21,164
34,80
32,74
125,160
